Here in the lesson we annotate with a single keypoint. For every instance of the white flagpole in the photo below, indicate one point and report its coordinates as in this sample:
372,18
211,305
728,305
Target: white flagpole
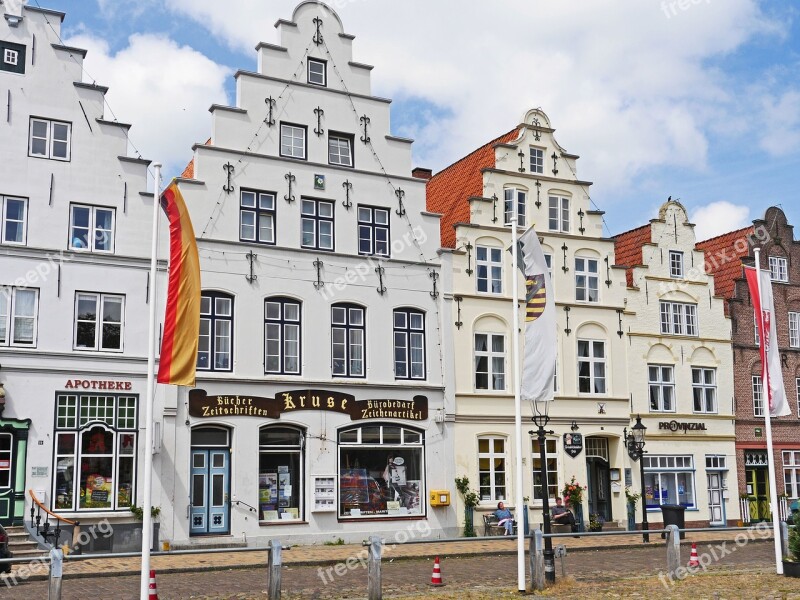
765,394
517,399
147,519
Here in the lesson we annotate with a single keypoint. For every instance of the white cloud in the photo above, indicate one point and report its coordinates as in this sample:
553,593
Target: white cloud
719,217
162,89
781,132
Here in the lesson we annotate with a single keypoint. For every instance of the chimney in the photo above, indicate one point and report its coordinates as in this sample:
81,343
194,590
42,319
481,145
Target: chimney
422,173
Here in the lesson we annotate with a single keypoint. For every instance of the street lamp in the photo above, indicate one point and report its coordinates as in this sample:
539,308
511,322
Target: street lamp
635,444
541,419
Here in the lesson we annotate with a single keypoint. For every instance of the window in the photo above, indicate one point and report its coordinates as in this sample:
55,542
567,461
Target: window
778,269
348,337
558,214
758,396
661,384
381,472
716,462
6,454
551,458
95,457
492,469
537,160
676,264
13,220
340,150
12,57
257,217
49,139
756,329
510,194
704,388
317,223
490,269
317,71
409,344
18,316
282,336
669,480
586,280
490,361
280,473
797,389
678,318
91,228
98,321
293,141
373,231
791,473
591,367
216,332
794,330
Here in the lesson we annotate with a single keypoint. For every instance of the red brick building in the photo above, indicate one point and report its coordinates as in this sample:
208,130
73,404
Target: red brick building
780,254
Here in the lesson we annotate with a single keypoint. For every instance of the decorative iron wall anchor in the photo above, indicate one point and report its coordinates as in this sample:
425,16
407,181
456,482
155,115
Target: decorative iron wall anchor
435,276
318,39
538,185
365,122
291,179
521,155
381,288
469,270
608,272
320,113
567,330
494,208
229,169
536,135
271,104
400,195
620,332
318,266
458,300
581,214
555,163
251,258
348,187
565,268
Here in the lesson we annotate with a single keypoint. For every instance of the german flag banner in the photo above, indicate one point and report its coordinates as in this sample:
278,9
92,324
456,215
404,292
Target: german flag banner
182,315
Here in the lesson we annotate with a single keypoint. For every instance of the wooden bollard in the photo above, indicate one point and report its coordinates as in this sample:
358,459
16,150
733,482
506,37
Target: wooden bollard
374,587
673,550
536,558
274,570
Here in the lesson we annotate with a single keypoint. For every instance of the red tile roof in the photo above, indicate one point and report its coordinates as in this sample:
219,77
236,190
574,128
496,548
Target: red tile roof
448,191
628,249
188,172
724,259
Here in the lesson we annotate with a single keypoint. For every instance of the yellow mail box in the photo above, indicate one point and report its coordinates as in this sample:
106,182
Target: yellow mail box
439,497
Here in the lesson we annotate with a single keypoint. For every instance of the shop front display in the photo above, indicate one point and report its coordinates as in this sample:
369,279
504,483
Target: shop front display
280,474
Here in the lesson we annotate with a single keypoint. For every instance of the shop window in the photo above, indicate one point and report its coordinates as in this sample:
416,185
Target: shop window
381,472
6,441
216,332
669,480
280,473
95,453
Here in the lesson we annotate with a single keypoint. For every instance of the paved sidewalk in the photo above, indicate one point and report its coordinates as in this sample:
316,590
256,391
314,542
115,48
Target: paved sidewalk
329,555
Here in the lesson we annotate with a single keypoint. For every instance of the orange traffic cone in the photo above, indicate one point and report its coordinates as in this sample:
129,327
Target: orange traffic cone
436,577
153,589
693,562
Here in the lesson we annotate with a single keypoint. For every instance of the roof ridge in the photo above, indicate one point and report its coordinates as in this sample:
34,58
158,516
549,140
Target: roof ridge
478,149
722,235
635,229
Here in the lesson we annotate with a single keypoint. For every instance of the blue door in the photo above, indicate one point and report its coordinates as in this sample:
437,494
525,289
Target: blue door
210,514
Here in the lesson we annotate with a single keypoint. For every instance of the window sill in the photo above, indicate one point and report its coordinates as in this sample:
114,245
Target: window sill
278,522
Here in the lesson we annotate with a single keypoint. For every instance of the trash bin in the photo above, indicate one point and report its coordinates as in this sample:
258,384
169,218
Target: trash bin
673,514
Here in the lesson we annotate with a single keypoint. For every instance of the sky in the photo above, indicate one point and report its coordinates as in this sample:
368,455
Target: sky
694,99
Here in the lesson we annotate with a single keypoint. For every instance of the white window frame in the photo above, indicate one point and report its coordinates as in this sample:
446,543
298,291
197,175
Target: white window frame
561,222
552,474
678,318
289,331
758,396
257,205
521,197
409,338
665,467
779,269
353,340
490,265
324,65
757,333
797,389
11,57
4,203
591,279
8,308
662,385
676,266
50,141
492,455
708,391
791,473
92,234
794,330
99,322
490,355
374,222
289,132
593,361
339,155
537,160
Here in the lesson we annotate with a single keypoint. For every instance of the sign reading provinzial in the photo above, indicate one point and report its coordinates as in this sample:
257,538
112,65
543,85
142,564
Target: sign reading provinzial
674,426
573,444
204,406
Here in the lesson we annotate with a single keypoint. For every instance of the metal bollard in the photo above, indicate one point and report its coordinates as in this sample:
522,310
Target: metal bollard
673,550
374,588
784,538
274,570
56,564
536,558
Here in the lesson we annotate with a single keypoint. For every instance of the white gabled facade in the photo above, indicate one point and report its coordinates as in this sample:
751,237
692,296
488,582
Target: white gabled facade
320,270
74,287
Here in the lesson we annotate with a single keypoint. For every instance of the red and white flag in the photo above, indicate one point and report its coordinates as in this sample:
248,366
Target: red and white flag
772,375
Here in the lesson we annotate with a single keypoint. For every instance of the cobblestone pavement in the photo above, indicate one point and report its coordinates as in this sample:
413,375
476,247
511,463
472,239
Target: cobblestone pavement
486,575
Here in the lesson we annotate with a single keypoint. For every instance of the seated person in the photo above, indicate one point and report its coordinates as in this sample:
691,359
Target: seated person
505,518
561,515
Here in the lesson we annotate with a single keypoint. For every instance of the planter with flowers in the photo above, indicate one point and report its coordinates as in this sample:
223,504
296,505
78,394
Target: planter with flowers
596,522
573,499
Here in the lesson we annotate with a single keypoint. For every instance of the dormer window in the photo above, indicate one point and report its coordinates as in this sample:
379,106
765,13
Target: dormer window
676,264
317,72
12,57
779,269
537,160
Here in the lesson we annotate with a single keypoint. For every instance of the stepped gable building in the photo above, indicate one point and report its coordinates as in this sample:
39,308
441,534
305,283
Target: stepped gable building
476,196
780,255
320,404
75,217
679,366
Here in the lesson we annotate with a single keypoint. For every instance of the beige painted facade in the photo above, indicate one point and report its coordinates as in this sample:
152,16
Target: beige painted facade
681,377
484,418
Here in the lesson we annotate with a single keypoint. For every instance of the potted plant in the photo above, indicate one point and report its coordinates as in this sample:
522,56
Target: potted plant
596,522
632,498
155,511
573,499
791,565
470,502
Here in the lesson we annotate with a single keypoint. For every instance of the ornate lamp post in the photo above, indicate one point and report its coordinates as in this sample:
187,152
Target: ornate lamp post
635,444
541,419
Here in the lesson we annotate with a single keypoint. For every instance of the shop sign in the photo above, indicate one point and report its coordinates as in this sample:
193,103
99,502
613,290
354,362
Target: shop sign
97,384
674,426
573,444
39,471
202,405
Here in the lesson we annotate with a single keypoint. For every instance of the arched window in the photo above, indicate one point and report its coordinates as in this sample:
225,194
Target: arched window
282,335
280,473
216,332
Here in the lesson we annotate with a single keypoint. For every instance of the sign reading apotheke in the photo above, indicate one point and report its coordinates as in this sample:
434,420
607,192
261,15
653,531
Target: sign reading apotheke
201,405
674,426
